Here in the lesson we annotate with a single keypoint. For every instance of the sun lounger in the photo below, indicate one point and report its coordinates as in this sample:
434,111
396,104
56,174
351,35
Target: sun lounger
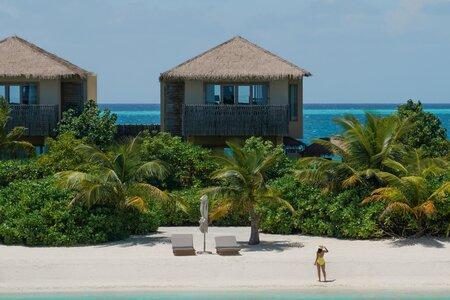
183,244
227,245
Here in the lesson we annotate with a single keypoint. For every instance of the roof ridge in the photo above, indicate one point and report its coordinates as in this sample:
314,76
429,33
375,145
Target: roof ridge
76,69
200,55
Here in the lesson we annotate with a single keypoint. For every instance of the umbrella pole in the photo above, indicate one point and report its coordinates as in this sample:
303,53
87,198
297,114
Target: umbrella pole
204,242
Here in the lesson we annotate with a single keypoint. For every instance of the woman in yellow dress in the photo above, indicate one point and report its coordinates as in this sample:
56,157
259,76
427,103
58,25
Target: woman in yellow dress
320,262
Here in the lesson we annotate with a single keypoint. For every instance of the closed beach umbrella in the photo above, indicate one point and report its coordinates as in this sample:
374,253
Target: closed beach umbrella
204,209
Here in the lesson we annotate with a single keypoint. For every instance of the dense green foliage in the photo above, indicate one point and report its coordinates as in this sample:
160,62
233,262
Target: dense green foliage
119,180
190,165
35,212
96,127
364,150
11,144
173,215
391,177
337,215
426,132
61,155
282,163
373,157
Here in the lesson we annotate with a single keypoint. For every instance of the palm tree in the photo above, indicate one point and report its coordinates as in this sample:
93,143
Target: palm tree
409,193
10,141
363,150
244,188
119,178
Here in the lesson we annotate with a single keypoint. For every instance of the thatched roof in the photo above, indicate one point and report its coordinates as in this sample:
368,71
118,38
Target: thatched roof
21,58
236,59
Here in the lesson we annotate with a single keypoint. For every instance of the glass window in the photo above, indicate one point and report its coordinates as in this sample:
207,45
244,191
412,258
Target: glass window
243,94
212,94
260,94
2,92
293,102
29,94
32,94
228,94
14,94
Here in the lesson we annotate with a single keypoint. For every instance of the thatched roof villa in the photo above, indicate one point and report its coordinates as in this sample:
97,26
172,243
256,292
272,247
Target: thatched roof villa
234,90
39,85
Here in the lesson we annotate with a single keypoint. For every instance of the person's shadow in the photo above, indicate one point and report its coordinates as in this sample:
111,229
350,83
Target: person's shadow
330,280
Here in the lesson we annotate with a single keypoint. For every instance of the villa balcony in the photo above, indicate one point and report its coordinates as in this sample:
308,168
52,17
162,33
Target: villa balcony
40,120
235,120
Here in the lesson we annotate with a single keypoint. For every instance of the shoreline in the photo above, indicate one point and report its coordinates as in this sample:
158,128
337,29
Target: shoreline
281,263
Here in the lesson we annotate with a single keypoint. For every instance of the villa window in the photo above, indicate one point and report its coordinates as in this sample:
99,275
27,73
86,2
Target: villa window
293,102
260,94
244,94
29,94
228,94
14,94
2,91
212,93
256,94
26,93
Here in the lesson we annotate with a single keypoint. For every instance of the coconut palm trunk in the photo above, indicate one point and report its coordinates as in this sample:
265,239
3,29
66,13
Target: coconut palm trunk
254,225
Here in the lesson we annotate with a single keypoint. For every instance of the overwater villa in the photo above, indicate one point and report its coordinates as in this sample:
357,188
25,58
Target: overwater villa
234,90
40,85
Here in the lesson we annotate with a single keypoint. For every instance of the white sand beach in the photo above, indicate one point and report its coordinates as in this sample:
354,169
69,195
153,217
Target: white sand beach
279,262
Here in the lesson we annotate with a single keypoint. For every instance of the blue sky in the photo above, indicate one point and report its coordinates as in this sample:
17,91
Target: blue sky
358,51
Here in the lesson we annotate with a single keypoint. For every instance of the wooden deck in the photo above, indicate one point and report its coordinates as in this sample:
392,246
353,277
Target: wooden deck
235,120
40,120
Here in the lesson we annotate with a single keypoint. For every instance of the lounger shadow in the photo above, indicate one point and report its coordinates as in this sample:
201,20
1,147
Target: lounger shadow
227,245
183,244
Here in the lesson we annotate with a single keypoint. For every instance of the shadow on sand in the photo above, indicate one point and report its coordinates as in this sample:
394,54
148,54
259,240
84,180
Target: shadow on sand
430,242
141,240
270,246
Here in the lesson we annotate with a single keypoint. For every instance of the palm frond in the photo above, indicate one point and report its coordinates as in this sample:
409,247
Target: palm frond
399,207
137,202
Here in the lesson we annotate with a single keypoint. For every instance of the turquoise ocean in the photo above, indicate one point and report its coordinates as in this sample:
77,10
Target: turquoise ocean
317,122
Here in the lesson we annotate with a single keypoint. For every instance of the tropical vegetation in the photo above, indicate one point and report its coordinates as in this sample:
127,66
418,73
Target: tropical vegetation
243,175
11,143
389,176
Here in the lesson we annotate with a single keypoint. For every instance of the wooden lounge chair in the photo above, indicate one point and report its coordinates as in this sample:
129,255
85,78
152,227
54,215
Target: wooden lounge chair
227,245
183,244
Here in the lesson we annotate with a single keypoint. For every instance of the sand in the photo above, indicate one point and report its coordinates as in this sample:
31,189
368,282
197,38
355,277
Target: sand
280,262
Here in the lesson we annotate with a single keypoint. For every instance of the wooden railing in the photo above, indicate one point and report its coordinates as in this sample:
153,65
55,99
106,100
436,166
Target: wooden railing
235,120
40,120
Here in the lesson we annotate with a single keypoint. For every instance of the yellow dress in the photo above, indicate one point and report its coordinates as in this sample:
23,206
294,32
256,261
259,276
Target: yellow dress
320,261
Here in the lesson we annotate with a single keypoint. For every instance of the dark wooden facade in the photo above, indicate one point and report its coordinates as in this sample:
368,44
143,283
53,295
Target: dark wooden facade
40,120
131,130
235,120
173,107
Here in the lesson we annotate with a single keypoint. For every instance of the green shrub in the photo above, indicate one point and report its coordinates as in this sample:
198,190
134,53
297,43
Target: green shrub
189,164
173,215
283,164
96,127
339,215
426,131
12,170
36,213
62,156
